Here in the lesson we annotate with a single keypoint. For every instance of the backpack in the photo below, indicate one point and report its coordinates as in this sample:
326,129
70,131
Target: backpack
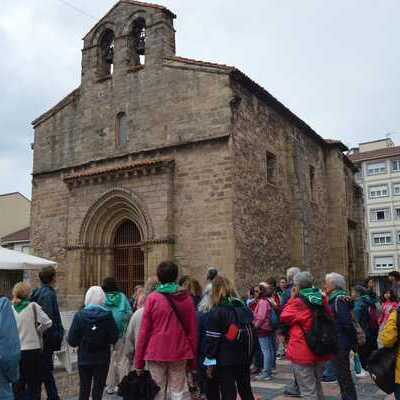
321,339
95,337
243,334
382,365
273,318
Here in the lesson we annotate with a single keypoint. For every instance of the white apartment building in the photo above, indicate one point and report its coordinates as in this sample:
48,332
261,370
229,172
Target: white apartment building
379,176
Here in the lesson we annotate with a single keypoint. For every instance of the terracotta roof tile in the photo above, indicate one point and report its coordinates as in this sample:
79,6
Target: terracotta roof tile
375,154
119,168
23,235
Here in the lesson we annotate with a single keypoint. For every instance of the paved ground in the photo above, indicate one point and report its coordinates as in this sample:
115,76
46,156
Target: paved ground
274,389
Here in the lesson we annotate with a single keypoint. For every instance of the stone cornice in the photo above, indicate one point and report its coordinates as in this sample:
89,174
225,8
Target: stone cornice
124,171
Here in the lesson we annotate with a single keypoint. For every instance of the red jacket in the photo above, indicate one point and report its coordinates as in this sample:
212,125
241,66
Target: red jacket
298,317
161,335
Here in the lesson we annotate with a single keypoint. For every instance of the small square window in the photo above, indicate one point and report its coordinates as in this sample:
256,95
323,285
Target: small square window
271,166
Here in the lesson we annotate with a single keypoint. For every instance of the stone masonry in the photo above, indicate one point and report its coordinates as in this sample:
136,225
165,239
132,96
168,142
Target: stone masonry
213,169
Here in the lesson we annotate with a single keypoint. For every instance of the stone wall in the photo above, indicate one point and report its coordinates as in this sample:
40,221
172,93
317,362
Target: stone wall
291,221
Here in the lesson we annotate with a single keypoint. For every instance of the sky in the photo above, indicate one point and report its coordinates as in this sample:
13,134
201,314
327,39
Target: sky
333,63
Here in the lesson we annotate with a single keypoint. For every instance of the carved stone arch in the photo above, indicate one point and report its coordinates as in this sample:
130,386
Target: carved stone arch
127,29
112,207
98,33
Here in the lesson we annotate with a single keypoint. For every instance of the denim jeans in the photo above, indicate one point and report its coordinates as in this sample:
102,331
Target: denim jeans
47,375
397,392
267,348
329,372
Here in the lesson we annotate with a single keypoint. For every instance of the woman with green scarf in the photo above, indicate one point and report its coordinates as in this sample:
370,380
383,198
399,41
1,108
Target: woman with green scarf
297,314
341,306
32,321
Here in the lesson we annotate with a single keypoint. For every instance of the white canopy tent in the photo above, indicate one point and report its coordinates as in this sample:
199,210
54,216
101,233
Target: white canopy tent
11,260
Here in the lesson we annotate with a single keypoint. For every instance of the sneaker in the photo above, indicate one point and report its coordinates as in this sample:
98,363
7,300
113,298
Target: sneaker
328,380
263,377
290,391
362,374
111,390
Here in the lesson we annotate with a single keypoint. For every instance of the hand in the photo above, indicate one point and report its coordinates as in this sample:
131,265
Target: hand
139,372
294,293
210,372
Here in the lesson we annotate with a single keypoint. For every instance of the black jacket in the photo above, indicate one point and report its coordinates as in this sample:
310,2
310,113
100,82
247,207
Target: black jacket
217,346
47,299
77,336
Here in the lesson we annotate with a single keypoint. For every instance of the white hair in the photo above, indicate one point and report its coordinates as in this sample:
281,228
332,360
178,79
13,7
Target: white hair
291,273
337,280
303,280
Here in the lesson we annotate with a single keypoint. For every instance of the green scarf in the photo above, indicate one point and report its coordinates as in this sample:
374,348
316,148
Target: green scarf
232,302
168,288
336,293
21,305
312,296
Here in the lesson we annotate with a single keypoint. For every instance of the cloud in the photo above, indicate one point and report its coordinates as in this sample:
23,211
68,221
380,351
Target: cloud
332,63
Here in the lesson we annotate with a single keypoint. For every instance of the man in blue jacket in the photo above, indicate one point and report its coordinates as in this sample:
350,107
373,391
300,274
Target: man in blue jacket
341,306
46,297
10,350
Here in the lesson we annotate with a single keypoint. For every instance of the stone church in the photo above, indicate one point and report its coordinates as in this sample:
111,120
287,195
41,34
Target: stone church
159,157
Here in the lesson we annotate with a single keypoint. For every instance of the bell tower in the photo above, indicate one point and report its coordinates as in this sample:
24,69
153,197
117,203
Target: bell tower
132,35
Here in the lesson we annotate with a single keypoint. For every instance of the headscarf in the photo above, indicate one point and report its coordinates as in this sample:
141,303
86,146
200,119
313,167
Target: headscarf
95,296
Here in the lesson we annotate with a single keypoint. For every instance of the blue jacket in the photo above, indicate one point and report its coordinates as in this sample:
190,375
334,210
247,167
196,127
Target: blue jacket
361,312
345,330
94,318
46,297
10,350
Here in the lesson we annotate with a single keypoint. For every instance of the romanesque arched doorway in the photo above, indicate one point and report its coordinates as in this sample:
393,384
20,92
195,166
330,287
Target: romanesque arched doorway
128,257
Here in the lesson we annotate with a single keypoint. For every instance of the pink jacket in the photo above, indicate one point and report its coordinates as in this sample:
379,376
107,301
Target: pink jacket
262,317
387,308
161,335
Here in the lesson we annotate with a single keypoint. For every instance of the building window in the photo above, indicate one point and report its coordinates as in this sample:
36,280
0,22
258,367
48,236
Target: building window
121,129
375,192
398,237
380,214
396,165
397,213
396,189
376,168
382,238
386,262
137,43
106,58
271,168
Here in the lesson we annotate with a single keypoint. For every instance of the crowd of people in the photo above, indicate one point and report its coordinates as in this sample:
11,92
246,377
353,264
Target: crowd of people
211,343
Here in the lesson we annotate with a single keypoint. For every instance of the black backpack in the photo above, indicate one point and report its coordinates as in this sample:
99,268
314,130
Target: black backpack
95,337
321,339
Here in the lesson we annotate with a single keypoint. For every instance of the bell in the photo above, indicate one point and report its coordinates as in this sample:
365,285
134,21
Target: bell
140,47
109,55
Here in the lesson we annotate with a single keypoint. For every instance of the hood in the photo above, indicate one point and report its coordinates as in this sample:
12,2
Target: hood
114,299
312,296
366,300
95,313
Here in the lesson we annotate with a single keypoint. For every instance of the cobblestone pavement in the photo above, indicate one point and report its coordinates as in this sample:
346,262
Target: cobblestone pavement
274,389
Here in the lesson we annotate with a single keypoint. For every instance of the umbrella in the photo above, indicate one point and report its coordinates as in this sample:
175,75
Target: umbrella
11,260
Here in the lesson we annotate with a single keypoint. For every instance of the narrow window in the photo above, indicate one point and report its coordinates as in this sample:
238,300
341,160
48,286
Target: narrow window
121,129
138,41
271,168
312,182
107,53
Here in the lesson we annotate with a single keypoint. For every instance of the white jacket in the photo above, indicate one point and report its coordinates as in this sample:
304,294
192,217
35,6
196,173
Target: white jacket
30,335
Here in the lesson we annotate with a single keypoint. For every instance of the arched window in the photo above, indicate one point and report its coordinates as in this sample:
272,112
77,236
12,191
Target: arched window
138,41
107,53
121,129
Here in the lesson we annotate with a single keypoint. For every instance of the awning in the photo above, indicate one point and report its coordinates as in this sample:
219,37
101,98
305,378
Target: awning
16,261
